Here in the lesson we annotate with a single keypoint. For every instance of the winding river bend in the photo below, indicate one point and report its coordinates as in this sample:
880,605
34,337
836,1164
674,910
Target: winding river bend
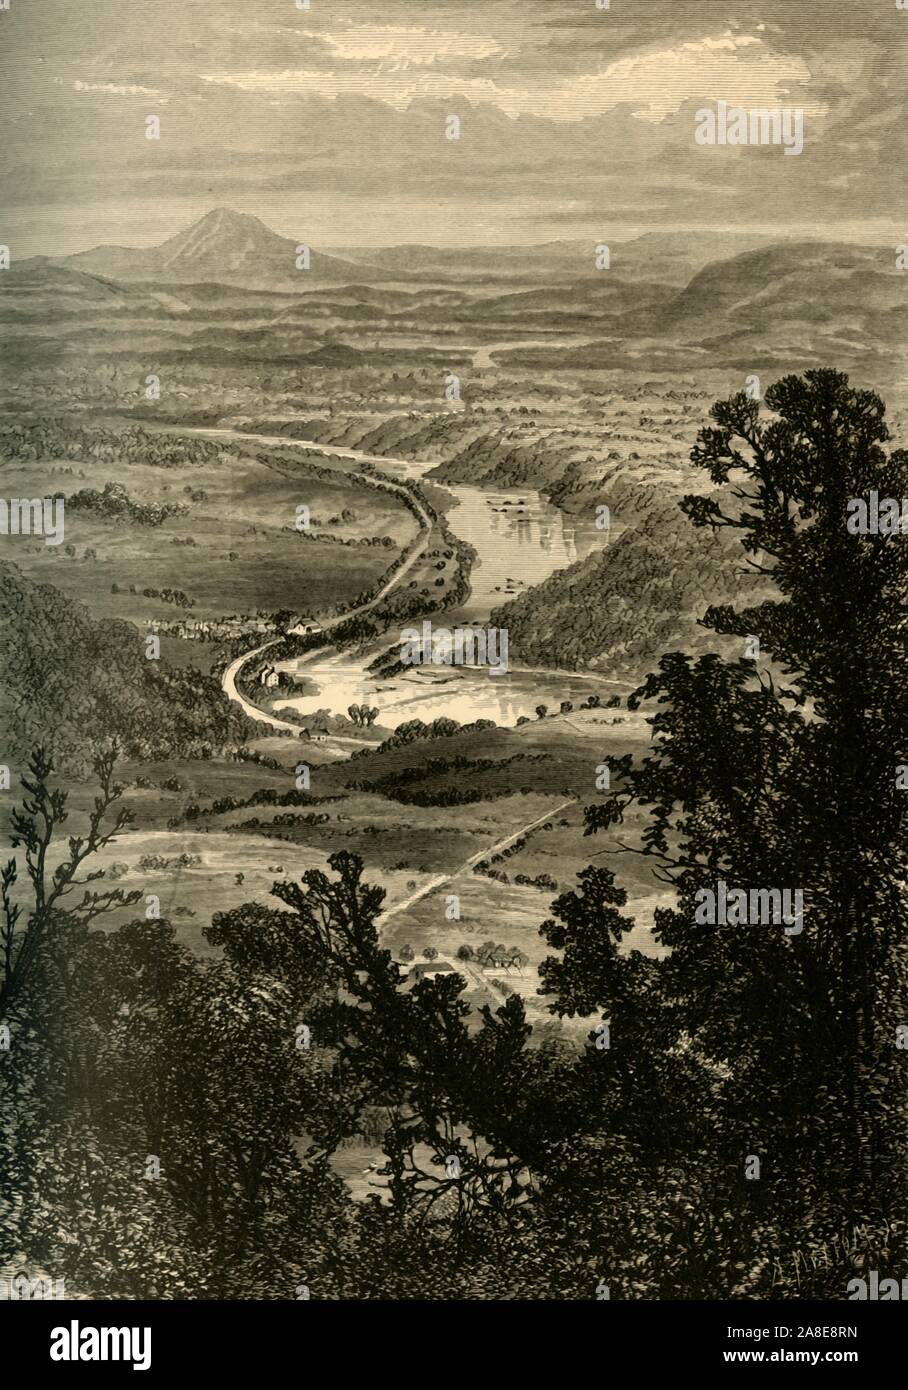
519,539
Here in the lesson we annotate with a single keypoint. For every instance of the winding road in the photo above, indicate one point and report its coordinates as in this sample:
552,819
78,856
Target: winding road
417,549
415,552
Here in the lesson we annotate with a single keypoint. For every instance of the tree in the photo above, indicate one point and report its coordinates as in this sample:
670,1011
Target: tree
131,1059
412,1052
541,711
780,773
465,952
406,953
430,953
33,827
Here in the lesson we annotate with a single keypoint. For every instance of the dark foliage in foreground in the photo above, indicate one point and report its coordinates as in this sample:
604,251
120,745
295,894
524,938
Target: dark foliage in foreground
168,1123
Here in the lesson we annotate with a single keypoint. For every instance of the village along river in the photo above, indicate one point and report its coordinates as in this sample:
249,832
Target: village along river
519,539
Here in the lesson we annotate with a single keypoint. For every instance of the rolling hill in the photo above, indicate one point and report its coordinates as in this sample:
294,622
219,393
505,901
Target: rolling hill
811,282
226,289
31,292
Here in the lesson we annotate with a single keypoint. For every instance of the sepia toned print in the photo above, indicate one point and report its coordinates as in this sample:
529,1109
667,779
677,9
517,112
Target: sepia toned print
453,583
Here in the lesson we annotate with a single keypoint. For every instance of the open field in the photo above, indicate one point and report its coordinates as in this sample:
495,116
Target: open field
236,854
232,548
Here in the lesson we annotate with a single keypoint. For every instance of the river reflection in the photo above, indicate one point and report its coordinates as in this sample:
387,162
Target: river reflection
519,539
431,692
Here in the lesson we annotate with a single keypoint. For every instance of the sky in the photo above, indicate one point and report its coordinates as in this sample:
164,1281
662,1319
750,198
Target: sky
329,122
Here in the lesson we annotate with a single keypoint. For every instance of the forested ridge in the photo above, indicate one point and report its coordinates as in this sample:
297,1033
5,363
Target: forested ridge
66,676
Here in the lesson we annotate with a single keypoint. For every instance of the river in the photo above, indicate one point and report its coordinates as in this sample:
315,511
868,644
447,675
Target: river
520,539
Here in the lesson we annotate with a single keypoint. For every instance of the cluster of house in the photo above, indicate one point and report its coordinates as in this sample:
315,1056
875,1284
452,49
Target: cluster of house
203,629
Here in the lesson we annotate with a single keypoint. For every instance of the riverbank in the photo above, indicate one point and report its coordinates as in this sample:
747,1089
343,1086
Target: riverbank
511,540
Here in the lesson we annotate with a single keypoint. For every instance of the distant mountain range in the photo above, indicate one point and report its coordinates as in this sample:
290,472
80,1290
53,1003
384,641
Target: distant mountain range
661,256
823,302
228,288
235,248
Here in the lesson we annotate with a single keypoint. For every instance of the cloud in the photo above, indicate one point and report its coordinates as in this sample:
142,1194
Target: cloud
117,89
738,69
653,85
393,88
586,116
405,46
